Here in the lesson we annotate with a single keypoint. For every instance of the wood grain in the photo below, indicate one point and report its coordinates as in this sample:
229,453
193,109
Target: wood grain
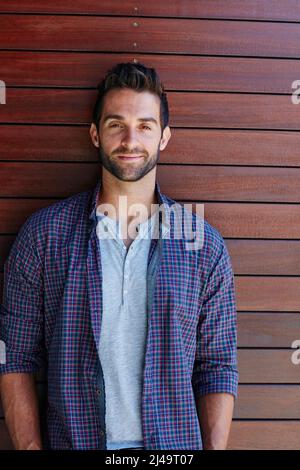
264,435
172,36
289,10
186,146
208,183
259,293
195,110
177,72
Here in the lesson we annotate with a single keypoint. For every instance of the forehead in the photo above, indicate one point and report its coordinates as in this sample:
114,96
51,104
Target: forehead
130,102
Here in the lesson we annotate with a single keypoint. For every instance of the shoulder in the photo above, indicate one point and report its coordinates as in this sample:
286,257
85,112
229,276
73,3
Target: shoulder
54,221
210,246
60,212
194,214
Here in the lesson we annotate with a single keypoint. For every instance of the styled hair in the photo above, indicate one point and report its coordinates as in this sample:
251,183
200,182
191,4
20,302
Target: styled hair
135,76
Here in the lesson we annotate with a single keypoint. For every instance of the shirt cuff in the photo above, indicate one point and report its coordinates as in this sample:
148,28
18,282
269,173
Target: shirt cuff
19,363
217,382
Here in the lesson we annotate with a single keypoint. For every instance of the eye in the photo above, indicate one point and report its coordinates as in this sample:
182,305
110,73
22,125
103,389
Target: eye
114,125
146,127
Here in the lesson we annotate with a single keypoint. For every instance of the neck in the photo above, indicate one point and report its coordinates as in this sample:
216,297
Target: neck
122,196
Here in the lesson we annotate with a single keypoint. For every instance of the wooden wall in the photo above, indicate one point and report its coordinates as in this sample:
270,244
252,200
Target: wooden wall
228,67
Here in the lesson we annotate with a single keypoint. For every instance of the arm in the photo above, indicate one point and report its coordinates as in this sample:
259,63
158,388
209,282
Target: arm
215,375
21,331
215,415
20,405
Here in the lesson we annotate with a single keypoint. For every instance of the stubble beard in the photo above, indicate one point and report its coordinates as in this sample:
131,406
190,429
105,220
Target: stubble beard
130,171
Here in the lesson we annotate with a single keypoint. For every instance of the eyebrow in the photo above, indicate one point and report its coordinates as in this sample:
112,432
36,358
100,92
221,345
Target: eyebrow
121,118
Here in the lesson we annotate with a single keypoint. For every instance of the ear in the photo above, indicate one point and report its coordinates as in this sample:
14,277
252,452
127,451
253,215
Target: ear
165,138
94,135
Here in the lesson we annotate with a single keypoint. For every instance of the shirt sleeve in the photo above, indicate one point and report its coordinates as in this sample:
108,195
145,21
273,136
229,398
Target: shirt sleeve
215,367
21,311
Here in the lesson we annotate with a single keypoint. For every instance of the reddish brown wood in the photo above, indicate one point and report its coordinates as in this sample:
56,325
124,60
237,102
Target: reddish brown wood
267,366
267,330
201,146
234,74
264,435
268,294
255,9
212,110
255,220
47,179
265,257
52,143
267,402
114,34
200,183
14,212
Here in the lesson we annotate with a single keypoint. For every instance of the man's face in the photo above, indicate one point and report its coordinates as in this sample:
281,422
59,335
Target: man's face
130,135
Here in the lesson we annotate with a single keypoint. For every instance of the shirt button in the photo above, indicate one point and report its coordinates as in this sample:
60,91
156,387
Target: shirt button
101,433
98,391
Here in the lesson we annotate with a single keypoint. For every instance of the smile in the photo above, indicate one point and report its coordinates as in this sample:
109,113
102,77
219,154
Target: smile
126,158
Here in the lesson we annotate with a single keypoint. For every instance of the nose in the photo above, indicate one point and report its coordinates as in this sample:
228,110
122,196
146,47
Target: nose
130,138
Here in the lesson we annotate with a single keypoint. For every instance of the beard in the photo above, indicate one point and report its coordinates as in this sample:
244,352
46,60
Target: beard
128,171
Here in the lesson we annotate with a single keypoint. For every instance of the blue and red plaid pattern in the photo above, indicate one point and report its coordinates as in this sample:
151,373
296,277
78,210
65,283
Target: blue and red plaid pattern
51,314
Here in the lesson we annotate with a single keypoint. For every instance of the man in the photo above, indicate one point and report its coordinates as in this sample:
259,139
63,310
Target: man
137,330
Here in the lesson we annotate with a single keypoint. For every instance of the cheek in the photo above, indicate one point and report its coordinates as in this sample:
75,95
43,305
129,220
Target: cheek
109,142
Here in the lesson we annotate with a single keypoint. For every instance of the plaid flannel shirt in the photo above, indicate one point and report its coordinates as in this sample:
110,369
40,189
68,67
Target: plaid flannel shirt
51,316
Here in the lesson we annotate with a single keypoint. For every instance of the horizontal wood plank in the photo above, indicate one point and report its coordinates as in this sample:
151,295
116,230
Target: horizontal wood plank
180,73
267,330
264,435
259,293
267,402
289,10
254,220
208,183
205,146
195,110
172,36
265,257
268,366
233,220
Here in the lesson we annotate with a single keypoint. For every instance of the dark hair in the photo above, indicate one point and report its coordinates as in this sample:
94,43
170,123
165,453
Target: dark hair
137,77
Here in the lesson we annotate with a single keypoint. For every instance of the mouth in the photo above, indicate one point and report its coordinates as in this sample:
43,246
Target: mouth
129,158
